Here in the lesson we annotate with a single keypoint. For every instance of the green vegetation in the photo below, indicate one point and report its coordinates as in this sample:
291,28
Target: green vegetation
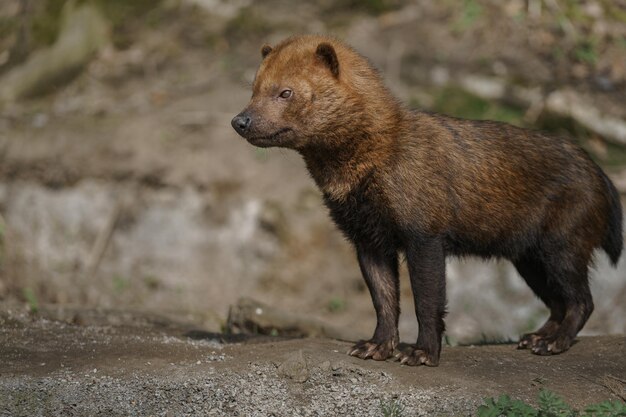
587,51
391,408
549,405
31,299
470,13
457,102
336,304
120,283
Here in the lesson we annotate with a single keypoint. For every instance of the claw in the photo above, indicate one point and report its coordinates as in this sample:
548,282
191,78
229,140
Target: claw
372,350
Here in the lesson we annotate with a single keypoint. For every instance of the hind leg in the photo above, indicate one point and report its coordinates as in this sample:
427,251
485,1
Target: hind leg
567,294
568,275
534,273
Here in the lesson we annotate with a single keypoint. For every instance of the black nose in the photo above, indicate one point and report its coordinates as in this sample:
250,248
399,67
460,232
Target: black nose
241,123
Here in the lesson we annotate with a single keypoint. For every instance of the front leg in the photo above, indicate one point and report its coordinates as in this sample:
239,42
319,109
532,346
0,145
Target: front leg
427,270
380,271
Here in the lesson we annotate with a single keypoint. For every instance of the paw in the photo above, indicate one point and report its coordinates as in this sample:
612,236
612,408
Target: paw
367,349
552,345
545,345
529,341
413,356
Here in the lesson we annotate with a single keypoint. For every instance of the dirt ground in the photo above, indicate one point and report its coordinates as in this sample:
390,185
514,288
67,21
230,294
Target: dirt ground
69,362
128,186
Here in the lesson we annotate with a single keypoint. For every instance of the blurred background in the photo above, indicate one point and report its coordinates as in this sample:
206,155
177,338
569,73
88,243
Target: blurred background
123,186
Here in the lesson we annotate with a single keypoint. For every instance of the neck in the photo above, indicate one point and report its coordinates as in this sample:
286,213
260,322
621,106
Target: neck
340,159
338,168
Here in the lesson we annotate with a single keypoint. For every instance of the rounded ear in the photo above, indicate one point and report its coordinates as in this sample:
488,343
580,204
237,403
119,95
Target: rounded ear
326,53
265,49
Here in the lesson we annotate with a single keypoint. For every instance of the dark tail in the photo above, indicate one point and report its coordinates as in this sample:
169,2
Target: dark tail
613,241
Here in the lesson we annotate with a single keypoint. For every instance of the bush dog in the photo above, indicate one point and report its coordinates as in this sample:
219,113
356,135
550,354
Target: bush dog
430,186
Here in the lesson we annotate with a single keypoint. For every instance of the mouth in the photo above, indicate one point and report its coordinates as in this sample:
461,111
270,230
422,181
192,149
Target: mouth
256,140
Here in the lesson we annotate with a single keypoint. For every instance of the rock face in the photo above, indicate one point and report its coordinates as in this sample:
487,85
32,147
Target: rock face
64,362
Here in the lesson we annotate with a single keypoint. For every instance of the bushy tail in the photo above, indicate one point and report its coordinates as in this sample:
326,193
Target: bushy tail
613,241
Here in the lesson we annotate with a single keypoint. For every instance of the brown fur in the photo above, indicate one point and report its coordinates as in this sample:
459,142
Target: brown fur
431,185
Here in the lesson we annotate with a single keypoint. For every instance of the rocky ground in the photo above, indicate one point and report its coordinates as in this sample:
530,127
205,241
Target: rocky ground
66,362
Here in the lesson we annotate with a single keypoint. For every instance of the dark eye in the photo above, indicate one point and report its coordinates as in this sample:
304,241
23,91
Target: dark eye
285,94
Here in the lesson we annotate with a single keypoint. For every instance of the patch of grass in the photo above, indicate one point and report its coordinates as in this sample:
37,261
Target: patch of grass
606,409
549,405
391,408
505,406
336,304
457,102
587,52
31,299
120,283
471,12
